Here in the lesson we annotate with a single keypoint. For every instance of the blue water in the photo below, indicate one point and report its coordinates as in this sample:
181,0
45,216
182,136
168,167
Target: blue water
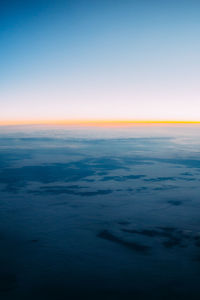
100,213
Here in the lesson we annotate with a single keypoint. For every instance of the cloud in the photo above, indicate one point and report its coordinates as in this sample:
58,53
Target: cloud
158,179
70,190
122,178
170,236
175,202
105,234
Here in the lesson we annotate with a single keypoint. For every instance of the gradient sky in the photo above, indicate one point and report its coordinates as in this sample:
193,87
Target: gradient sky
103,59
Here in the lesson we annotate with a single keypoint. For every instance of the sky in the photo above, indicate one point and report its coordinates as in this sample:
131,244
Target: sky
99,60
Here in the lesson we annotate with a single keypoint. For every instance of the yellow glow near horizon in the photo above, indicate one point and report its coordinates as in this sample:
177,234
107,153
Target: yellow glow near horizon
100,123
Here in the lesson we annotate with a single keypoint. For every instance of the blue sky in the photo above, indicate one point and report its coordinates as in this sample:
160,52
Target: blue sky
64,60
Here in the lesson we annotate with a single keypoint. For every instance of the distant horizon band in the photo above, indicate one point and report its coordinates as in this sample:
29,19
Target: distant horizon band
95,122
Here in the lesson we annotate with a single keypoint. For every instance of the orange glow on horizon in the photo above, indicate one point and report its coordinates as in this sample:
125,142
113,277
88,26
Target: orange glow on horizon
97,123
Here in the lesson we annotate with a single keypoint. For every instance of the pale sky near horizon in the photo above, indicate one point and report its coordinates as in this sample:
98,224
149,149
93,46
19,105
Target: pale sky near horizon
103,59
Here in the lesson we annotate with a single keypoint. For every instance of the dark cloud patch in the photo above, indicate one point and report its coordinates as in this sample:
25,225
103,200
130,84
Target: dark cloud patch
123,223
134,176
168,229
106,235
62,187
175,202
197,240
88,180
14,178
141,189
186,174
13,186
173,241
152,232
122,178
159,179
172,237
95,193
70,190
189,163
146,232
165,188
107,164
186,178
135,190
7,158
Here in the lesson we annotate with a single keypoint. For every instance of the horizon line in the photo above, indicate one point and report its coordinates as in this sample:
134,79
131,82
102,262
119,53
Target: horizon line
98,122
